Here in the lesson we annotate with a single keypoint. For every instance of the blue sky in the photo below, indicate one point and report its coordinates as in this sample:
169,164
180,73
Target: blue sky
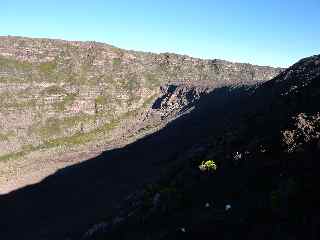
270,32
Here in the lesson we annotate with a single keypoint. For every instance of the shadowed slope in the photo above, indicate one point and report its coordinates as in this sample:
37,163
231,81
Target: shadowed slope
79,195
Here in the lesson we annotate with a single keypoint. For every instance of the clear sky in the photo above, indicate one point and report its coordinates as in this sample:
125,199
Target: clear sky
269,32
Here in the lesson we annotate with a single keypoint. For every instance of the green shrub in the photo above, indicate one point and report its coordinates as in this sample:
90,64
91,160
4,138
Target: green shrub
101,100
116,61
47,67
152,80
7,63
3,137
67,100
208,166
11,156
25,149
54,90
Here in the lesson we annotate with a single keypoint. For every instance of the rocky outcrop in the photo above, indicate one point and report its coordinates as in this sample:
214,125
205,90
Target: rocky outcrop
304,132
174,99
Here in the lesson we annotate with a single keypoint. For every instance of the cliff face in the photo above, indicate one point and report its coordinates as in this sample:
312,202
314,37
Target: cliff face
56,95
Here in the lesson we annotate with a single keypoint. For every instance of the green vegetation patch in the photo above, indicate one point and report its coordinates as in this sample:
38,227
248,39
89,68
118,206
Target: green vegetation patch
54,90
12,156
67,100
50,72
130,82
11,79
208,166
12,64
48,67
8,100
51,127
15,155
3,137
101,100
152,80
56,126
80,138
116,62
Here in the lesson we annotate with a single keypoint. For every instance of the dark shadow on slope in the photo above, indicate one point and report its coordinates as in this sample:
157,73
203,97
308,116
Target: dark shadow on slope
75,197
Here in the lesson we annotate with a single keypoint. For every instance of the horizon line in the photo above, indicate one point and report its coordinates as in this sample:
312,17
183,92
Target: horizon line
143,51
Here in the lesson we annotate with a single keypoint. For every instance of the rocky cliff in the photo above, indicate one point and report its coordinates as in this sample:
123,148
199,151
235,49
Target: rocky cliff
58,97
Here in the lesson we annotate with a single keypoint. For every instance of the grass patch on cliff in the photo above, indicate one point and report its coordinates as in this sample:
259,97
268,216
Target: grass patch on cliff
116,62
67,100
5,136
101,100
152,80
12,156
48,67
25,149
16,104
12,79
80,138
54,90
12,64
57,126
51,127
55,72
